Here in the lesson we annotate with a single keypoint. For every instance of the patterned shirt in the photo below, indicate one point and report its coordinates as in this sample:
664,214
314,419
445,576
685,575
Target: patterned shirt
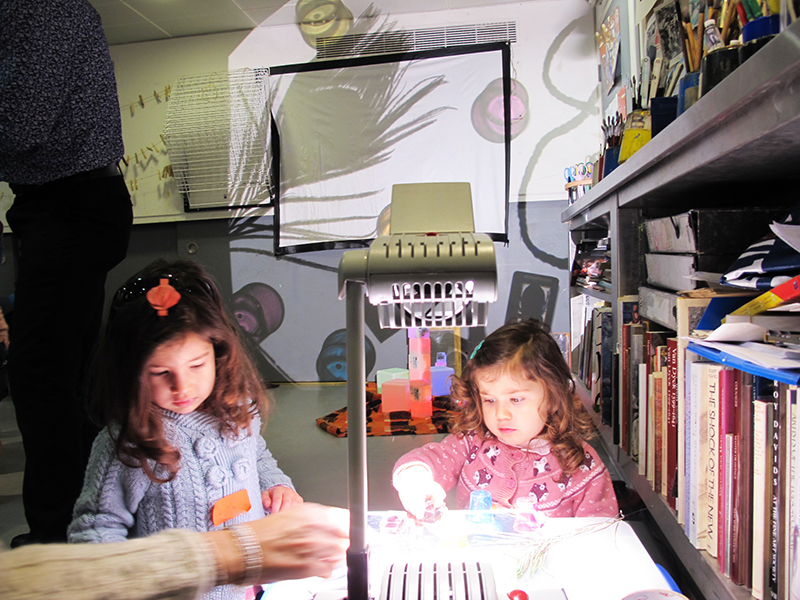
59,112
509,472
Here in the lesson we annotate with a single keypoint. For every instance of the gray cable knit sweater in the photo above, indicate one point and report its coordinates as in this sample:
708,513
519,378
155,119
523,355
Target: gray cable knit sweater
118,501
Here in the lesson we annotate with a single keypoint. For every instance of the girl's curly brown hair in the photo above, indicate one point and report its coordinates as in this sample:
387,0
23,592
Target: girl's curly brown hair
526,348
121,396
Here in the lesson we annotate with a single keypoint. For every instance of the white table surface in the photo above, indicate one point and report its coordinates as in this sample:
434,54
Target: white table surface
592,559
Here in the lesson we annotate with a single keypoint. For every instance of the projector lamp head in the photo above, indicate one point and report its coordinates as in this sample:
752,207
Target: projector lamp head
426,280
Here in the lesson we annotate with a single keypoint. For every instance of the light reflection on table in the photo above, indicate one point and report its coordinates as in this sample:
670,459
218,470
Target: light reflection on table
590,559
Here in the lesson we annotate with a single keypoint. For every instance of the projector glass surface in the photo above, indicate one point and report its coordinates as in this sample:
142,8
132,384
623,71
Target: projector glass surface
350,130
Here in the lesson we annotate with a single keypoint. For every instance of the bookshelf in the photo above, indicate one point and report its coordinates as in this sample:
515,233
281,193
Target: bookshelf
736,147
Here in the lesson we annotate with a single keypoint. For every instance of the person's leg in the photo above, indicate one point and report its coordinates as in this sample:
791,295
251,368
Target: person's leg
69,237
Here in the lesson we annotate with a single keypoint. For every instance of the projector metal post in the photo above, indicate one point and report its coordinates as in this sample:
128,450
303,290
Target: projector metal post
357,570
416,278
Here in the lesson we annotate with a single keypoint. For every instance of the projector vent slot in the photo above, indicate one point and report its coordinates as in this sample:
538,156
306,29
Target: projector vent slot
413,40
438,581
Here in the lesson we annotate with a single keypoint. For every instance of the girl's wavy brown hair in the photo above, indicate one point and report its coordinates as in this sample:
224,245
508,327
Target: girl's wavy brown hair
525,349
121,397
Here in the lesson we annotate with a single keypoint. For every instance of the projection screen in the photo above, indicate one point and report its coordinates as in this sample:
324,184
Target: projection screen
351,129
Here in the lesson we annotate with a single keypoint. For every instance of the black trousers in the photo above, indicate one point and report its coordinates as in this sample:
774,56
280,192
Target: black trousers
67,237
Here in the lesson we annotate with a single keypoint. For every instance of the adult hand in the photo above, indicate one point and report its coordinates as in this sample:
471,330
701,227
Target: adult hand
307,540
304,541
280,498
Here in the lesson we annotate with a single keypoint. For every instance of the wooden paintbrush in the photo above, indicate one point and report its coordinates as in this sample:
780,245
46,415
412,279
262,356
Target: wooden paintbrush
684,15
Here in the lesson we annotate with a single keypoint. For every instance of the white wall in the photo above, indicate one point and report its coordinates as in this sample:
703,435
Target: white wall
554,58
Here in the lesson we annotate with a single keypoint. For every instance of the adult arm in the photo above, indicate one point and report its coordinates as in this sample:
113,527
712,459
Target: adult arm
171,564
306,541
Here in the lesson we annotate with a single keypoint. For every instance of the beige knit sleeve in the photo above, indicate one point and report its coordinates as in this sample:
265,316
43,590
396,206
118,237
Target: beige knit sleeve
172,564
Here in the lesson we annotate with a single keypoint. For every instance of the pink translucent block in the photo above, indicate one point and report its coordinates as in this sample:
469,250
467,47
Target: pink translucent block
420,392
419,362
528,517
396,395
419,346
440,380
419,332
384,375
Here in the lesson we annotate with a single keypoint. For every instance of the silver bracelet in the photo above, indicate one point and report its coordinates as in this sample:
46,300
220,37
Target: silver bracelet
251,552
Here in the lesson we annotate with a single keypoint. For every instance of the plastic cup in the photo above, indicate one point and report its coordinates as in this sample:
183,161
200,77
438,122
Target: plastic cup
480,505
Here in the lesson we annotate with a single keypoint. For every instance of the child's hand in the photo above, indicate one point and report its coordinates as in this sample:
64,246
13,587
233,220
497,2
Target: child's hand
280,498
417,489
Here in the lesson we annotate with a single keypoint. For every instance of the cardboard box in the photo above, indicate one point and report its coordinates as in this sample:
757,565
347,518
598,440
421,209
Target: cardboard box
706,231
674,271
659,306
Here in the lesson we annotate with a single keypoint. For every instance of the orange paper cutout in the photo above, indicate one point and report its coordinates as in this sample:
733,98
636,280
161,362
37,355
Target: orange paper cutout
230,506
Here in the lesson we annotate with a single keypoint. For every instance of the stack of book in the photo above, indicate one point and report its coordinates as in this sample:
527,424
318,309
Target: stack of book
591,268
688,250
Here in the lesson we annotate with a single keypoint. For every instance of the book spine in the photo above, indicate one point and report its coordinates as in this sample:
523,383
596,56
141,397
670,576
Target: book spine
712,464
625,408
685,491
671,477
658,427
682,506
794,494
636,358
644,416
742,490
775,501
727,377
651,429
785,292
664,403
699,444
727,548
595,374
785,527
762,422
606,363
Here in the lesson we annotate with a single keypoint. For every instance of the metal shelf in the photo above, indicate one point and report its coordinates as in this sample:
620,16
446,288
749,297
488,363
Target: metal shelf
743,137
597,294
735,146
701,567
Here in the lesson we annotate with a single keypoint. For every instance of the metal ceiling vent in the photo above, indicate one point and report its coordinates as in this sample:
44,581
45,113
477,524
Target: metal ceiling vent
439,581
217,131
412,40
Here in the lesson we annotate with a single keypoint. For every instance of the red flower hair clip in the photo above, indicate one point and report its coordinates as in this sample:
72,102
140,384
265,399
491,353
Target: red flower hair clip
163,297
